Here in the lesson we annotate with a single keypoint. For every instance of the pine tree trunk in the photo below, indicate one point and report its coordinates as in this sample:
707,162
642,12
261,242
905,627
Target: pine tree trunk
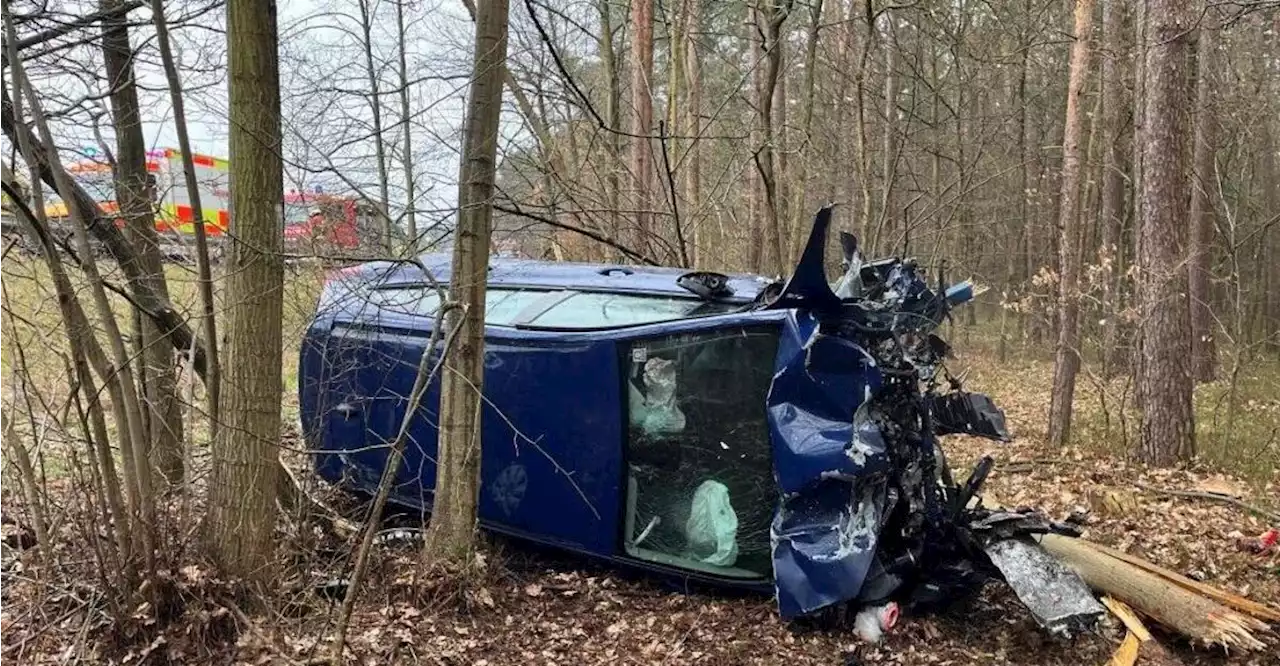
1066,362
889,167
241,514
450,537
642,120
1204,184
692,125
766,157
755,193
1133,352
158,383
1115,108
1165,382
798,211
613,116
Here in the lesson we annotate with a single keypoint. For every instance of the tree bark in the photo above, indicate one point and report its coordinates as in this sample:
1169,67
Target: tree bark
642,120
410,186
889,166
158,382
450,537
241,514
1203,186
692,127
1066,362
798,204
1165,383
117,370
1115,109
212,380
1140,28
755,185
769,26
613,116
375,108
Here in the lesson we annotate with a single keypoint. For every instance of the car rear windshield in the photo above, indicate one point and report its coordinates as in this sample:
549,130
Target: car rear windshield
541,308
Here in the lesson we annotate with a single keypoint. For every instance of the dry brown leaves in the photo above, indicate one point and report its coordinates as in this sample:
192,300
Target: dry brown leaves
533,610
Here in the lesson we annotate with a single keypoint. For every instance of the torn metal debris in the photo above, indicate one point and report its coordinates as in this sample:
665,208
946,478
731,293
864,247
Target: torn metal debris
1058,600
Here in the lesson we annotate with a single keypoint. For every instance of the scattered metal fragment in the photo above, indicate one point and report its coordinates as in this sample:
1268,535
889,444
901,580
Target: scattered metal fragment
1058,599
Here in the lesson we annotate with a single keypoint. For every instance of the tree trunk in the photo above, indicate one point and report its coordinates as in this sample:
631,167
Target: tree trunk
450,537
641,120
1133,351
375,108
862,169
755,185
212,381
1203,186
692,127
158,383
769,25
781,167
1066,362
798,210
1029,327
410,186
671,146
613,116
116,372
1114,111
889,167
241,516
1164,384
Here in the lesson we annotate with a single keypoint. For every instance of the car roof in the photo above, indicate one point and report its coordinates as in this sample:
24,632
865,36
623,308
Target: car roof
516,272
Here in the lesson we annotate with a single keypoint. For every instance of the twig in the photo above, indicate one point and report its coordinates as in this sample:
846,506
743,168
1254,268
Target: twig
638,257
1213,497
270,643
671,183
425,374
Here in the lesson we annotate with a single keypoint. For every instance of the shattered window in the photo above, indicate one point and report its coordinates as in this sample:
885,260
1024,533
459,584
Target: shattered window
700,491
598,310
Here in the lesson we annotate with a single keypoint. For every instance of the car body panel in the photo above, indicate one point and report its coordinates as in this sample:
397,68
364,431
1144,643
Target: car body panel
552,467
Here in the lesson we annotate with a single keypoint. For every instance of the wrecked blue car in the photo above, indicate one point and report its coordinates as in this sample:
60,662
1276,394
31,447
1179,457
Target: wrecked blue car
733,430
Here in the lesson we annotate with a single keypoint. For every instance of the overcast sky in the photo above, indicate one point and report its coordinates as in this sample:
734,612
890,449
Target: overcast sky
327,122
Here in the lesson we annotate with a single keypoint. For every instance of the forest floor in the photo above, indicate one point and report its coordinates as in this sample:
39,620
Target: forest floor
539,608
543,609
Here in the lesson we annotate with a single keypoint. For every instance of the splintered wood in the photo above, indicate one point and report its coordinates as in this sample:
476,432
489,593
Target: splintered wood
1182,605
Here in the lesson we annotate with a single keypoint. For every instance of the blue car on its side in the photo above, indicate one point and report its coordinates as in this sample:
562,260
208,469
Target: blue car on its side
727,429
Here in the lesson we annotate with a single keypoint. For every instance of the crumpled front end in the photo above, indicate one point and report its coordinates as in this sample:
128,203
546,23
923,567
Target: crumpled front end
825,532
869,513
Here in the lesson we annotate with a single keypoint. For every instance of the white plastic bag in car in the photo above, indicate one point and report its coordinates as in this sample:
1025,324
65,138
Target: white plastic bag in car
713,525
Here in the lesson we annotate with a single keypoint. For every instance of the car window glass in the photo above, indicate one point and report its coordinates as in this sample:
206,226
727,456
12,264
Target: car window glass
501,305
700,491
596,310
408,301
